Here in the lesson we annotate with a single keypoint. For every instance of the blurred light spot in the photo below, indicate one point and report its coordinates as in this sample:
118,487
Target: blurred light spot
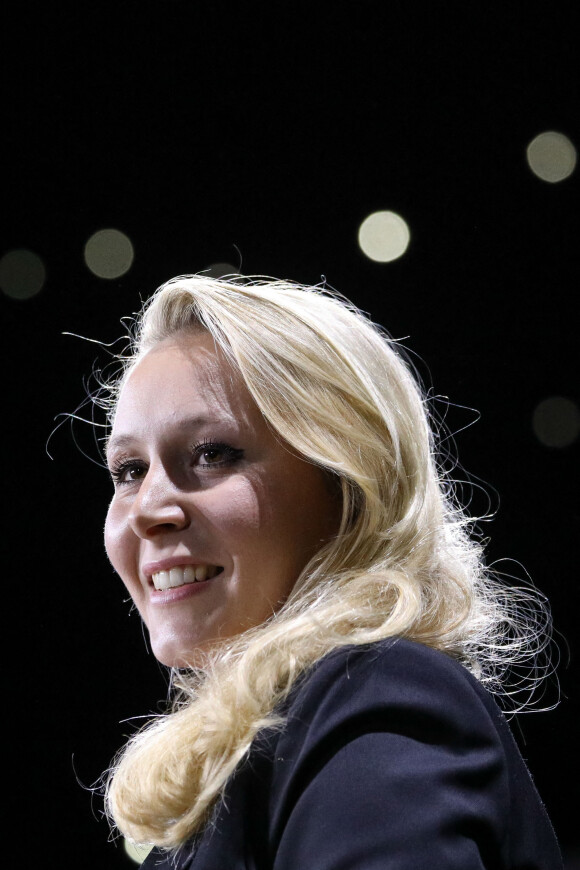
109,254
551,156
22,274
383,236
136,853
219,270
556,421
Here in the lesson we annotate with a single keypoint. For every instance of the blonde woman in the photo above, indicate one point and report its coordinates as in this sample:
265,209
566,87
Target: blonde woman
283,524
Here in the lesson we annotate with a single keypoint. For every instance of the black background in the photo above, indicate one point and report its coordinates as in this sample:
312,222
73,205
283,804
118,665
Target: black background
261,135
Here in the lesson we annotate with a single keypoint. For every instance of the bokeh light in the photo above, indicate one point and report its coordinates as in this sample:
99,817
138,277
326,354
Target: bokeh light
556,421
109,253
136,853
383,236
22,273
551,156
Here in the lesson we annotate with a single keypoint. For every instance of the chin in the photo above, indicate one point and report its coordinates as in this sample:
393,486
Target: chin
174,655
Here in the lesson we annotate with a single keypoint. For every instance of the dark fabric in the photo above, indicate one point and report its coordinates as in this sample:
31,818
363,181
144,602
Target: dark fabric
393,756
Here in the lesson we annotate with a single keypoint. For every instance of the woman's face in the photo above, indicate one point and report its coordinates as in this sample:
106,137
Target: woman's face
212,518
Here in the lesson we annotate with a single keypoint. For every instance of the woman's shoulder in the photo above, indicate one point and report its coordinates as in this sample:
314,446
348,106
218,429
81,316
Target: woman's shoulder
389,674
409,727
390,749
394,655
403,687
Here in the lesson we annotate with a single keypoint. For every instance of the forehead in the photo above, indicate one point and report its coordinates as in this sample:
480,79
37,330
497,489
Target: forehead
184,377
184,359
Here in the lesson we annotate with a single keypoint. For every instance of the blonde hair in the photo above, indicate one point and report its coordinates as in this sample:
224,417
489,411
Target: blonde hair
405,563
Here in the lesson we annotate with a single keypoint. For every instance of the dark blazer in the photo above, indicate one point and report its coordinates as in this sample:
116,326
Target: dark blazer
393,756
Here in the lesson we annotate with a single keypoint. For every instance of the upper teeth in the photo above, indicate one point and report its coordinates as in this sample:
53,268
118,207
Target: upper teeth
183,574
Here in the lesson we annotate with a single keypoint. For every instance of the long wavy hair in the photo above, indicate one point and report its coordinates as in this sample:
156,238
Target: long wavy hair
406,561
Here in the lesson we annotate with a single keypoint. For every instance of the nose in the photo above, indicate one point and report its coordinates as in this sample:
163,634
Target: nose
158,506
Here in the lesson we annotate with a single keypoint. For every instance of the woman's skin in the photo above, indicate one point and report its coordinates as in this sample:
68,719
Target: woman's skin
202,484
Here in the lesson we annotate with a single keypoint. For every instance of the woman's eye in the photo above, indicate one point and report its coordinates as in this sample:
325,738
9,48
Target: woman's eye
216,454
127,472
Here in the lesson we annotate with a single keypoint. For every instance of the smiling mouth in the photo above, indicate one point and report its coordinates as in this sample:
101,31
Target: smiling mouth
180,576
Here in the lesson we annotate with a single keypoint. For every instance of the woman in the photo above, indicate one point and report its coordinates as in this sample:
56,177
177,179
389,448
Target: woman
284,525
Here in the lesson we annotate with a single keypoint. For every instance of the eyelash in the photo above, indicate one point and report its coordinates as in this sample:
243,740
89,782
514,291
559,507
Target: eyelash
119,469
231,454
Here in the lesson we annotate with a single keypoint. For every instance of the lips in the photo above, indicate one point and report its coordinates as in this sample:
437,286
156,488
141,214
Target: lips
184,574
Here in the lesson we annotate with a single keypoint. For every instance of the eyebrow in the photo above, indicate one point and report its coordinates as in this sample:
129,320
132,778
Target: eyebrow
185,425
119,441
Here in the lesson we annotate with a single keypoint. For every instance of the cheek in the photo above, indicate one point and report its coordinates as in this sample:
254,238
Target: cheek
246,518
308,511
266,521
123,555
115,540
234,512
